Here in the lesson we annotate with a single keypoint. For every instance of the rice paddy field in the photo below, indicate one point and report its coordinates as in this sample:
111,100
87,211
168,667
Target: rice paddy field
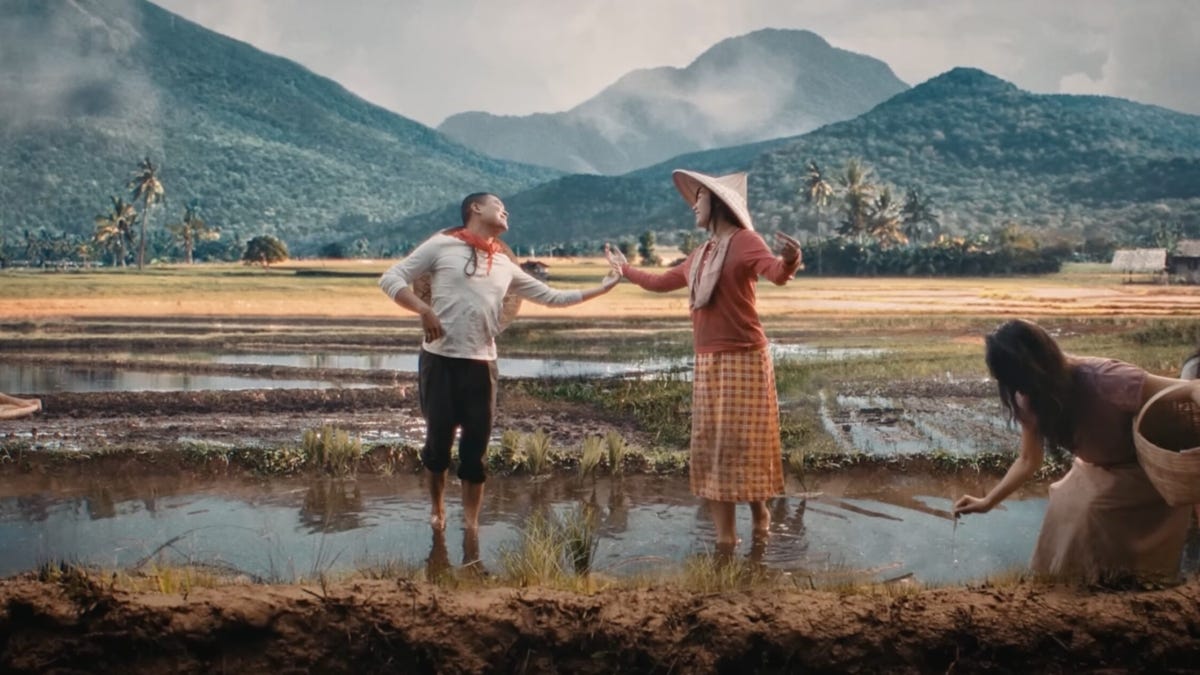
225,475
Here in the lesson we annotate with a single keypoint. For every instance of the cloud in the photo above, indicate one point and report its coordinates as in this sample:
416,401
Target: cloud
427,59
1153,57
70,62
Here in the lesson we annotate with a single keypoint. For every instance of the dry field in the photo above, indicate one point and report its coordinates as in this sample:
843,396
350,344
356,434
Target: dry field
348,289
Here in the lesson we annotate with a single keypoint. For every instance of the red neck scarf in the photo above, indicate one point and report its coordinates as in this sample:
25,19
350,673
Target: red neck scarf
489,246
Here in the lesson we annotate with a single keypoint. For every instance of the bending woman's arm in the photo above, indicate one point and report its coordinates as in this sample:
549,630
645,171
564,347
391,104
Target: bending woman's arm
1156,383
1027,463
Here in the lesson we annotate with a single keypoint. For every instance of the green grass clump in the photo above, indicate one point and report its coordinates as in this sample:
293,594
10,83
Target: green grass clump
590,456
332,450
617,450
537,452
553,552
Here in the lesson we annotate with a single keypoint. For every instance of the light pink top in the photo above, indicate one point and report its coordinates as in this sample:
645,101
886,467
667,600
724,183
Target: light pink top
1109,395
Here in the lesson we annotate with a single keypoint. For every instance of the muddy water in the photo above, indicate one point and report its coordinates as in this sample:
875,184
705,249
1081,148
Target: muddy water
882,425
407,363
855,525
39,378
48,377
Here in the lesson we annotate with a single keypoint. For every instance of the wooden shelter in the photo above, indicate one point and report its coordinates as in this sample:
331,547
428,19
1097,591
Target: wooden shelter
1184,261
1133,261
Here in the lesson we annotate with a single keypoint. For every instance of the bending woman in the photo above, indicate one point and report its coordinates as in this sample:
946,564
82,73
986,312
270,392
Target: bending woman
1105,516
735,448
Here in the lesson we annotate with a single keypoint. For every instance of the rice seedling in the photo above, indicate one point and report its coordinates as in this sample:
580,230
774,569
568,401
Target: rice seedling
592,453
616,452
719,573
331,449
510,448
537,452
580,538
553,552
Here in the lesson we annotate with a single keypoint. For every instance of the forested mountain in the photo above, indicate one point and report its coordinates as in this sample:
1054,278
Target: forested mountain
88,88
767,84
983,152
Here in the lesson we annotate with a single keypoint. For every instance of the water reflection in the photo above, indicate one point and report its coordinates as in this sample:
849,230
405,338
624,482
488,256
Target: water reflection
40,378
332,505
880,525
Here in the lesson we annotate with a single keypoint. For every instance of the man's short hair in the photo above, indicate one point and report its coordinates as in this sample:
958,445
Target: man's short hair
473,198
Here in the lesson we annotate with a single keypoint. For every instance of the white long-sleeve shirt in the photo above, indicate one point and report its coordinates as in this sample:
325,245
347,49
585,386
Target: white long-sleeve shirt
468,306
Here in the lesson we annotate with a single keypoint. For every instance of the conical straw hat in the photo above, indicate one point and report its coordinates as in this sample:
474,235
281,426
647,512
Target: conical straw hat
422,286
730,189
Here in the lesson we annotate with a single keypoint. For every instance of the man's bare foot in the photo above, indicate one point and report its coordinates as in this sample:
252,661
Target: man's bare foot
437,520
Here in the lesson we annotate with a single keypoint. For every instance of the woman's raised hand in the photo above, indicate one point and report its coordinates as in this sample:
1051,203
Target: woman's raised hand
614,256
789,247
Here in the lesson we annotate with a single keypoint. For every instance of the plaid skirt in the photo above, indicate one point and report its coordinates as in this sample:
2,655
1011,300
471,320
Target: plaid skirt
736,452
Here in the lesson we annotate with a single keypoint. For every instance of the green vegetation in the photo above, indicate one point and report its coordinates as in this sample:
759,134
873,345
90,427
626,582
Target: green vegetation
553,551
970,151
265,250
332,450
265,144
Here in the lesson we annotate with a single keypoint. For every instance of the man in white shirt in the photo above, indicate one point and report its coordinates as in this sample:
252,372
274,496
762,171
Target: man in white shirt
457,371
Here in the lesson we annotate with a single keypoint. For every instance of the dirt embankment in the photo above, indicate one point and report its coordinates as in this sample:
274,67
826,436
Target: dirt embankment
78,625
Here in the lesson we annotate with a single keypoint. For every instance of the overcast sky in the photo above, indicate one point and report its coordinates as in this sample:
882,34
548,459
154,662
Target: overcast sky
427,59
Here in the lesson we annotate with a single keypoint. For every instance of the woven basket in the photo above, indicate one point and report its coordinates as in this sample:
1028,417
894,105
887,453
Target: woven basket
1166,434
422,286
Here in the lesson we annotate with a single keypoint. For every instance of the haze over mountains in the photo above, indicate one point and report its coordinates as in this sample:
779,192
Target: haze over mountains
767,84
89,87
987,153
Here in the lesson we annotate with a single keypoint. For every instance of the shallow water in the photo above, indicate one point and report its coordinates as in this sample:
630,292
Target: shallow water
287,529
41,378
880,425
407,363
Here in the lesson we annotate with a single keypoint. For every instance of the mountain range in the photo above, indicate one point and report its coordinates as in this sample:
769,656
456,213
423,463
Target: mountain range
985,152
768,84
90,87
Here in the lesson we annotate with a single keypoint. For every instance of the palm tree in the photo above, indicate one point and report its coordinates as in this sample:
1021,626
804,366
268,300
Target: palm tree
857,193
192,229
146,186
114,230
916,213
817,192
883,221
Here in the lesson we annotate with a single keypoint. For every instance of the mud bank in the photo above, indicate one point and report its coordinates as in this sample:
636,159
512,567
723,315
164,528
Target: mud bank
78,624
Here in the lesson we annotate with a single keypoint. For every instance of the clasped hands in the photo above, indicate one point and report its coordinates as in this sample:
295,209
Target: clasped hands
616,261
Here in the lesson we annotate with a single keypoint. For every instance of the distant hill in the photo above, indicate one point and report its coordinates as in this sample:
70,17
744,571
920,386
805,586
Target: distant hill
985,151
89,87
767,84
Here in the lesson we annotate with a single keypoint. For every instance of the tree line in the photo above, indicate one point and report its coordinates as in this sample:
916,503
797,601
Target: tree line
122,234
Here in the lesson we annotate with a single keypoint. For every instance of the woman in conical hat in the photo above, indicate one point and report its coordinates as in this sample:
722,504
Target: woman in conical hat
735,449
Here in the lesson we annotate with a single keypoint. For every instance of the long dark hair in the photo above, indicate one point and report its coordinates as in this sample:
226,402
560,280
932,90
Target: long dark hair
718,210
1024,359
